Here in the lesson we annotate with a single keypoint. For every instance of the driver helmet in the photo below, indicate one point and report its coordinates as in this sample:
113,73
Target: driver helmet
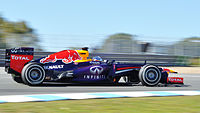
97,58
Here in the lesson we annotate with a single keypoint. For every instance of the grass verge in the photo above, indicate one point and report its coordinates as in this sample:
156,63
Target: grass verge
180,104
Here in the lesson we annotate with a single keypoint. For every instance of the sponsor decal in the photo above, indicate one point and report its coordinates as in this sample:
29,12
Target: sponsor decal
67,56
94,77
175,79
17,61
14,57
17,50
14,51
54,67
96,70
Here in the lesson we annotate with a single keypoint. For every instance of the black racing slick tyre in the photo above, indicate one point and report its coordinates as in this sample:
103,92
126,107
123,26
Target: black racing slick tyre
149,75
33,74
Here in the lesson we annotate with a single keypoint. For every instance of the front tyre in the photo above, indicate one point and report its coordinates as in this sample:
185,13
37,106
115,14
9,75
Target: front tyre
149,75
33,74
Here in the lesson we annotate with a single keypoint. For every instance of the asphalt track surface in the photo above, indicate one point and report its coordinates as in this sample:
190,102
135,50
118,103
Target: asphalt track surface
9,87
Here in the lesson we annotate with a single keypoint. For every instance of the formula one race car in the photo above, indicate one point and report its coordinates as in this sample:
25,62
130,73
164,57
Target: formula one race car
73,66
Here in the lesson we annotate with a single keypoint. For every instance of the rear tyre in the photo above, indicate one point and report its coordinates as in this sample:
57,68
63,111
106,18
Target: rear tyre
33,74
149,75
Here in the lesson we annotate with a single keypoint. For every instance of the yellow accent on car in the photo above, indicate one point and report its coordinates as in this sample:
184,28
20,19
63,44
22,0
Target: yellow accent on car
84,55
171,71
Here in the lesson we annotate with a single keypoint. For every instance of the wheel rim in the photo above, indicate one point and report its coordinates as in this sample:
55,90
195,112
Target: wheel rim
151,75
35,74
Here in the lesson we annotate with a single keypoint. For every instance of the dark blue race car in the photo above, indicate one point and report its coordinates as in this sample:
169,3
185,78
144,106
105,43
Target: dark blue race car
73,66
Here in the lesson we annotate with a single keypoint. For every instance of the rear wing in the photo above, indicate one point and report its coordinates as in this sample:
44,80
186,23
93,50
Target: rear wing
16,58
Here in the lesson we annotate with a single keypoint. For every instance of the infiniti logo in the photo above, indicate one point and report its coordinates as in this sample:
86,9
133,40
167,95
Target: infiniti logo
96,70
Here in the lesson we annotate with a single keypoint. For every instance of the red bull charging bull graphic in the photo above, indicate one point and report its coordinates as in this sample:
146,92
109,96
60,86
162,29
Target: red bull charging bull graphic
67,56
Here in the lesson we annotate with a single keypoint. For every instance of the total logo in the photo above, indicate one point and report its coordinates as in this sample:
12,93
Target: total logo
175,80
96,70
19,57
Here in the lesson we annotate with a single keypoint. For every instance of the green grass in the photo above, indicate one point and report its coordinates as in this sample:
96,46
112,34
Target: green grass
180,104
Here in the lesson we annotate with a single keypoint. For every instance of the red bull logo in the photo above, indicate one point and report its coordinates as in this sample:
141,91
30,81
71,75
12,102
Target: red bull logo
67,56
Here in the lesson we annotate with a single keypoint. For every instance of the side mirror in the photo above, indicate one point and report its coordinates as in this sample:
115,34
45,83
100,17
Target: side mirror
113,61
106,61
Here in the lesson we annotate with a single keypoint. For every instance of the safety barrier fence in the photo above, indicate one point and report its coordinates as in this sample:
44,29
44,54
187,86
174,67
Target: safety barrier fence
161,60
